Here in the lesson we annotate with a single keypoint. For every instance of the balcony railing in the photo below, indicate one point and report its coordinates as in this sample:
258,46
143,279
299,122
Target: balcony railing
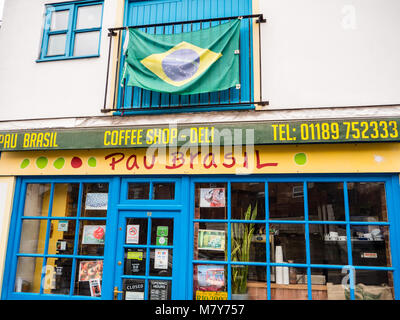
126,100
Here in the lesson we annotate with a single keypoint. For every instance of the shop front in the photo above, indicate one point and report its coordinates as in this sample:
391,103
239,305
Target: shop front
238,221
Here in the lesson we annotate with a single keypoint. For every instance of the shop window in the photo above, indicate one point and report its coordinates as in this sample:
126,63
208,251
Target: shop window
315,239
157,190
71,30
63,226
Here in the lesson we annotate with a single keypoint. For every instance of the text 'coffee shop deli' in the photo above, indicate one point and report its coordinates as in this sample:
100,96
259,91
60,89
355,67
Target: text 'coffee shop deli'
280,210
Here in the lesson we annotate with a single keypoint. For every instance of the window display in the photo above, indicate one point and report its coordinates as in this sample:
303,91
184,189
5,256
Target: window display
312,237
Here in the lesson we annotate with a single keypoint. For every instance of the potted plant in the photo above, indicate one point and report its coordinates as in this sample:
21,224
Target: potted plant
241,236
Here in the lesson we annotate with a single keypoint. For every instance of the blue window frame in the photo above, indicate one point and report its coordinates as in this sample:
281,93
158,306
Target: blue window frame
344,263
72,30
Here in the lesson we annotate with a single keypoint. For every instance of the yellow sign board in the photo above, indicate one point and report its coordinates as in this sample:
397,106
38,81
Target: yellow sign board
328,158
211,295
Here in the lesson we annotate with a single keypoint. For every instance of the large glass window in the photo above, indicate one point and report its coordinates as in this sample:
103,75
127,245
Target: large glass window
62,238
291,240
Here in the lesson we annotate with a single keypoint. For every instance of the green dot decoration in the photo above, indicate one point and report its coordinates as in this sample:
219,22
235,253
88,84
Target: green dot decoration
300,158
42,162
92,162
25,163
59,163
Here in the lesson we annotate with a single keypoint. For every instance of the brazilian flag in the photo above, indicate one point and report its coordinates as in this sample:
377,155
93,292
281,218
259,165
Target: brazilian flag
183,63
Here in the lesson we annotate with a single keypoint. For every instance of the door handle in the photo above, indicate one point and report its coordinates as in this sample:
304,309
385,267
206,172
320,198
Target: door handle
116,293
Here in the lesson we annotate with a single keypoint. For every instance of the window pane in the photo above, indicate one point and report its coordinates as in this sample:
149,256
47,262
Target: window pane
62,236
133,289
245,195
33,236
161,262
328,244
86,43
88,277
164,191
138,191
89,17
245,245
92,237
136,231
29,272
367,201
286,201
59,20
65,200
56,45
289,283
326,201
135,261
209,282
371,246
160,290
162,232
210,201
95,200
210,241
249,283
58,276
287,243
329,284
37,200
374,285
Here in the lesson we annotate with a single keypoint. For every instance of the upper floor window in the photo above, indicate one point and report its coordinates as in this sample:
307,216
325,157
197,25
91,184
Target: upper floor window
71,30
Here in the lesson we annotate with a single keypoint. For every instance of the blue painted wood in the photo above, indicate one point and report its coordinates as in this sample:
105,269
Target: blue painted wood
155,12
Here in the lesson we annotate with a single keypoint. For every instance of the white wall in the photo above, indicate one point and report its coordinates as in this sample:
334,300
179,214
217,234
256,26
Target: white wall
48,89
330,52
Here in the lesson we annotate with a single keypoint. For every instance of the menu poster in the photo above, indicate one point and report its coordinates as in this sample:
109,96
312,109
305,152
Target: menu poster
135,262
211,240
89,270
159,290
212,197
134,289
96,201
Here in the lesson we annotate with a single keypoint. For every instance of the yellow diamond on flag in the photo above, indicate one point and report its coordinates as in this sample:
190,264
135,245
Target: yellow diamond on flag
181,64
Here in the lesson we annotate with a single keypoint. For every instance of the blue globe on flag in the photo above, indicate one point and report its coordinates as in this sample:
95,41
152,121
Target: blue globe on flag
181,64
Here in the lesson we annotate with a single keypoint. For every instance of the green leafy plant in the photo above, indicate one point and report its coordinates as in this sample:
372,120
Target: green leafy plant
241,236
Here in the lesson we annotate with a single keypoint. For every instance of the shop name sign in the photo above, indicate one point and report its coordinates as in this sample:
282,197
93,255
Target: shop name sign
290,132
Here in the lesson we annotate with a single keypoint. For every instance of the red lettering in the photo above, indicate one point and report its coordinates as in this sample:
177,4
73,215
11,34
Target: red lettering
152,162
192,157
229,156
175,159
134,164
113,161
262,165
212,163
246,160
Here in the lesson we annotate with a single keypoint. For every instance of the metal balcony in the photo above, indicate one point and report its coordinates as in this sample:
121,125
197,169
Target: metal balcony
123,100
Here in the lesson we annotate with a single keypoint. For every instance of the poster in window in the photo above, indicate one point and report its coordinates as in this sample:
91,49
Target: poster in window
211,240
93,234
132,234
159,289
135,263
89,270
211,277
161,259
96,201
212,197
134,289
95,287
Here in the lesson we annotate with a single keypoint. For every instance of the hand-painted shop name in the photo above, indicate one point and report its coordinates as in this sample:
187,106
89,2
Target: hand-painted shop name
29,140
179,159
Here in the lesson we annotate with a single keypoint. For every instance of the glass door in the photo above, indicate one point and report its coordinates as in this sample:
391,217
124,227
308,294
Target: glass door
147,251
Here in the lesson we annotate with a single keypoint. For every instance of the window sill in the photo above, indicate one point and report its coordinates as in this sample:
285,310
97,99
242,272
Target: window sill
66,58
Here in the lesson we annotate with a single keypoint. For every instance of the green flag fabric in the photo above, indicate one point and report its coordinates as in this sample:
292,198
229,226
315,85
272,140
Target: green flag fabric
185,63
